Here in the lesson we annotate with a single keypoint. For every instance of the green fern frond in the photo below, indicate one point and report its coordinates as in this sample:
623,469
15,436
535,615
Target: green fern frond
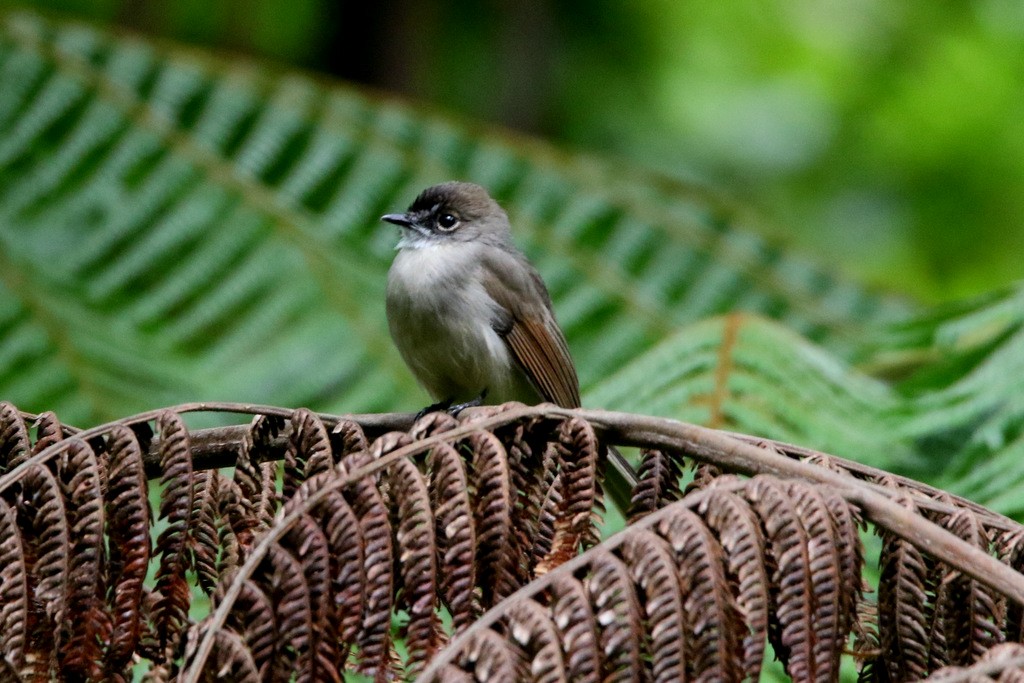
226,216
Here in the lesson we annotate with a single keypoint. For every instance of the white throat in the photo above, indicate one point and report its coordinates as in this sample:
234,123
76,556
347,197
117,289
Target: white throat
414,240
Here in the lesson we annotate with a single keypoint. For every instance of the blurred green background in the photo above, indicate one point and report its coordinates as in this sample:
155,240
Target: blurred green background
883,139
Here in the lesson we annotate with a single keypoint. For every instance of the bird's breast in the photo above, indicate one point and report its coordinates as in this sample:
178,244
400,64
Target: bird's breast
440,317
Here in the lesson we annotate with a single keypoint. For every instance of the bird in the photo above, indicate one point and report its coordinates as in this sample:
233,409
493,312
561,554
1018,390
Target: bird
470,315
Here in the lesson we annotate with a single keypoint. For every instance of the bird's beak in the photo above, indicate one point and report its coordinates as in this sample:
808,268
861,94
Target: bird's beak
401,219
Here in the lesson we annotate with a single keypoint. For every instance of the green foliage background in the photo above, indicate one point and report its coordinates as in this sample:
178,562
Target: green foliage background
883,139
180,224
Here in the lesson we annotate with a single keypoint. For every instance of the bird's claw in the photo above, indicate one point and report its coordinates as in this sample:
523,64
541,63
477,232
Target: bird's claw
454,410
435,407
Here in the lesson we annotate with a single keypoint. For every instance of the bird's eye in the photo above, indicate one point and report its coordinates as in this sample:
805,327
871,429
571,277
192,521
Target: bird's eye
446,221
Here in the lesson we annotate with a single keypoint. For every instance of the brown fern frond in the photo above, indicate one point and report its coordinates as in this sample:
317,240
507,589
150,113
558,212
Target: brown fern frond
231,660
455,533
417,557
459,514
654,571
847,523
547,515
309,450
489,658
43,520
791,630
530,626
497,562
256,478
203,536
281,577
177,504
308,544
254,496
14,590
972,613
15,443
578,450
254,620
49,431
738,529
128,522
347,437
704,475
374,637
86,622
610,590
232,518
831,619
902,600
935,617
347,569
432,423
657,483
1010,549
715,650
577,626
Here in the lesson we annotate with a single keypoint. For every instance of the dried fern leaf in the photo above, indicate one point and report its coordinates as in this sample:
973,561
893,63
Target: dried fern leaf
257,478
253,618
492,486
714,642
902,599
177,505
281,577
374,637
973,613
15,444
578,453
347,570
456,533
128,525
619,617
526,448
417,557
830,618
577,626
1003,663
792,591
653,569
739,531
48,431
44,523
1011,551
489,658
231,661
309,450
657,483
347,437
307,542
14,590
530,626
547,513
86,622
203,536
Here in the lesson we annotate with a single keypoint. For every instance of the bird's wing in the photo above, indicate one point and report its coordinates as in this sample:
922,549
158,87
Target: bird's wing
527,324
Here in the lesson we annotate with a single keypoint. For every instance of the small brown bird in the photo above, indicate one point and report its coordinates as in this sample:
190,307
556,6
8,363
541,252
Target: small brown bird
468,312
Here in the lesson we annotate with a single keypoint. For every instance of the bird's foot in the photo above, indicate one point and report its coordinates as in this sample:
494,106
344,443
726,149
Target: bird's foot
434,407
459,407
